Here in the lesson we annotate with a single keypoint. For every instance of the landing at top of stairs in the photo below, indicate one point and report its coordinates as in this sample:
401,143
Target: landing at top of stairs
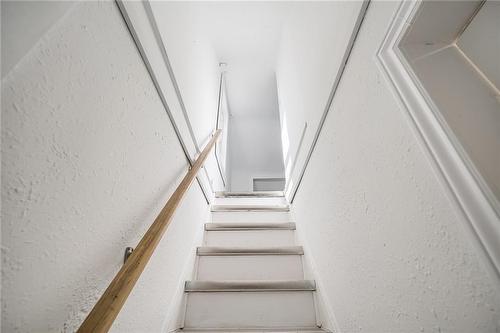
261,194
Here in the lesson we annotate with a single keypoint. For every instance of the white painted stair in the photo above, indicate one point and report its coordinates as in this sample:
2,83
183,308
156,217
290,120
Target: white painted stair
249,275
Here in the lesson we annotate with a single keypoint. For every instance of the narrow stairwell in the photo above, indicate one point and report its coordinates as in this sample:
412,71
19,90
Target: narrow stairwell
250,274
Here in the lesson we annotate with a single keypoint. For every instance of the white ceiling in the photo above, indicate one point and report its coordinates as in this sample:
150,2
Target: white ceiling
246,36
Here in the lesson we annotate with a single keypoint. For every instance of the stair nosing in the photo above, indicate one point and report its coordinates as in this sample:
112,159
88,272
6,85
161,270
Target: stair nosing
249,226
249,285
248,251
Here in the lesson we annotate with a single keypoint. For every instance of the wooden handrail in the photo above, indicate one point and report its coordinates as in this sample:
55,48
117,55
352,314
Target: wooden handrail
109,305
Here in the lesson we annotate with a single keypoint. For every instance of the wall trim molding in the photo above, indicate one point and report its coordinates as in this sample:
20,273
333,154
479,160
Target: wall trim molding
222,88
296,157
476,208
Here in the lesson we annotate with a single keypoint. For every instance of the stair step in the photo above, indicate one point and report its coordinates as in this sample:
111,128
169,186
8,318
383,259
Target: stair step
245,251
256,330
251,217
261,194
251,267
250,310
247,286
250,208
242,201
248,226
253,238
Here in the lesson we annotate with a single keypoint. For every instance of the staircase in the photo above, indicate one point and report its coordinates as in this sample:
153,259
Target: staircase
250,275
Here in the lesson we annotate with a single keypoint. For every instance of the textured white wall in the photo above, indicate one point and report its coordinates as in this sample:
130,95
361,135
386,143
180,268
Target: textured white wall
386,243
23,23
88,159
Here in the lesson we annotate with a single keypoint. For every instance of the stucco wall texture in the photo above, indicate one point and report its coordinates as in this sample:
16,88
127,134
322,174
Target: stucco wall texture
89,157
386,242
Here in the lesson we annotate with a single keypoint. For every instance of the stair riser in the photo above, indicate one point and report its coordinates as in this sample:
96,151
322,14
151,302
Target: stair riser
250,268
251,238
251,217
250,309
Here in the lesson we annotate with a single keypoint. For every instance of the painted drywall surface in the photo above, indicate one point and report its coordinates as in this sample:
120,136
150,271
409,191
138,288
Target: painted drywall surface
34,18
389,248
468,105
313,41
140,22
254,150
194,63
481,41
88,159
196,69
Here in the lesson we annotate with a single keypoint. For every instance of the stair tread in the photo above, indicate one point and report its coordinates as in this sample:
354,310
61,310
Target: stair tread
279,250
249,226
249,285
